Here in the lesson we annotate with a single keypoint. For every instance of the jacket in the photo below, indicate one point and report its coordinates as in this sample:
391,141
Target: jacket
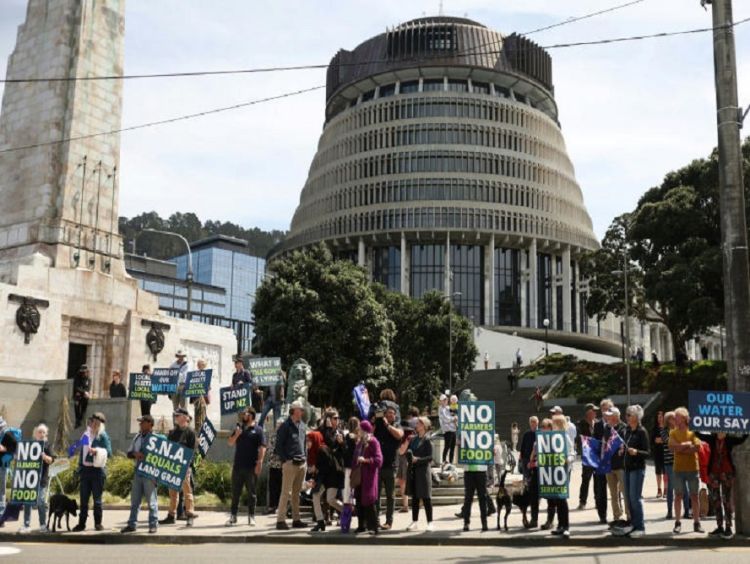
368,490
639,440
81,384
730,443
447,419
290,441
419,473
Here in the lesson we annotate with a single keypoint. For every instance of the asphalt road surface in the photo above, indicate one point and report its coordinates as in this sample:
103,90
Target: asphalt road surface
28,553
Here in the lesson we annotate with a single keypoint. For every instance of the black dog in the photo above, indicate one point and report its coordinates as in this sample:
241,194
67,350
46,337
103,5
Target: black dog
59,505
507,497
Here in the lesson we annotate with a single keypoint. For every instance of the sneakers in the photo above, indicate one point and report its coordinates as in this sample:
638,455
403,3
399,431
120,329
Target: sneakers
127,529
251,521
556,532
430,527
728,533
717,532
43,529
282,526
231,522
168,520
24,530
697,527
152,530
566,534
413,526
623,531
637,533
677,528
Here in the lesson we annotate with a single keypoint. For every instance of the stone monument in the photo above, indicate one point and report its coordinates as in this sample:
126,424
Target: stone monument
298,389
65,298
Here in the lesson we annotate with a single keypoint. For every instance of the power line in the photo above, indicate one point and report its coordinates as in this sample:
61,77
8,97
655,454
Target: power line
163,121
359,63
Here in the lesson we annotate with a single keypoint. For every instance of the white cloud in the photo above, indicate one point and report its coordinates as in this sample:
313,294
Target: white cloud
630,112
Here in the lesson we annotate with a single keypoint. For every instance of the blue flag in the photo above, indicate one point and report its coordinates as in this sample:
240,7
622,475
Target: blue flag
591,455
611,447
362,399
85,440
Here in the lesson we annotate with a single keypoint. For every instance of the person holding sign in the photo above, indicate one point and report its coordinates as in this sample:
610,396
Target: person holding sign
250,449
183,435
559,423
40,434
142,487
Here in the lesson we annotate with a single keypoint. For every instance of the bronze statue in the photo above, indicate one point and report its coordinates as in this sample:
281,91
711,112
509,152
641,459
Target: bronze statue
299,381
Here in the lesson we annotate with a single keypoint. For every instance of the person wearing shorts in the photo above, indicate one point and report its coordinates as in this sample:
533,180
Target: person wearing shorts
685,445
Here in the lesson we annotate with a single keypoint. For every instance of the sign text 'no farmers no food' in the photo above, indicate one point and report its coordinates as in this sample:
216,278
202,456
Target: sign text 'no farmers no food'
476,429
27,472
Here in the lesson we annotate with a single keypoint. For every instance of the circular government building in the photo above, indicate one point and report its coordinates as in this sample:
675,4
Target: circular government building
442,165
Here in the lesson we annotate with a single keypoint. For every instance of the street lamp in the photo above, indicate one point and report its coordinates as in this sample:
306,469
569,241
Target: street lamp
546,335
624,274
450,339
189,277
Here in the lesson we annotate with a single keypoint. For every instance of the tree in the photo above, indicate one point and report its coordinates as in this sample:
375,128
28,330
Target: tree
673,238
324,311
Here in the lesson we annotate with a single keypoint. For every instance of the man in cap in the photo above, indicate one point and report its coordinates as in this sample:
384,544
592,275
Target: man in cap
81,394
586,429
142,487
616,475
181,364
291,448
183,435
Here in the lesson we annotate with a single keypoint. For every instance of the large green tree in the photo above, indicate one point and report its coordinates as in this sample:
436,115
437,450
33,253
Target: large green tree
325,311
673,240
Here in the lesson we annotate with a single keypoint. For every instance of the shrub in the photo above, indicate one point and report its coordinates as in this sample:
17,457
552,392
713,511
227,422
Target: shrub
120,472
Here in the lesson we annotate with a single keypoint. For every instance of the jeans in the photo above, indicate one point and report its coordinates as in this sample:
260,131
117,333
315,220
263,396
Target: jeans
587,474
670,487
449,447
92,483
143,487
243,478
41,505
3,475
634,497
475,482
388,483
268,405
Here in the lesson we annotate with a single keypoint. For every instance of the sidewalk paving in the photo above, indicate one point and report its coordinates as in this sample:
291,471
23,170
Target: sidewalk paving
209,527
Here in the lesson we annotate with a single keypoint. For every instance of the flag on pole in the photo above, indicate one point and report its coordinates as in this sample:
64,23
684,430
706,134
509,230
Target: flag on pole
85,440
591,452
611,447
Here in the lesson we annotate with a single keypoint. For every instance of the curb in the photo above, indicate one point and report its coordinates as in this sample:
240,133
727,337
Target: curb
416,539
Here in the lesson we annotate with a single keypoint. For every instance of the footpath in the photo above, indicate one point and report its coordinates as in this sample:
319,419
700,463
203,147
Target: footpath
585,529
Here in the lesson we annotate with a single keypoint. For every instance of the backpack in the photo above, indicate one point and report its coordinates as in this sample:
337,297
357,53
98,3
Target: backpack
7,457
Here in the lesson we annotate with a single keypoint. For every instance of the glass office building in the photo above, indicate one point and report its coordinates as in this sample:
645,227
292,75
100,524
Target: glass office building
226,262
442,165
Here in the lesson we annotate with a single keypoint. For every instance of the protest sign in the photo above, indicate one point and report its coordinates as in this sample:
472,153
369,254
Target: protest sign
711,412
552,461
265,371
165,461
27,472
476,431
234,399
197,383
206,438
139,387
164,380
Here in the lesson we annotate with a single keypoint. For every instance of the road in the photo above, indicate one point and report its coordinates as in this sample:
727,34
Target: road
115,554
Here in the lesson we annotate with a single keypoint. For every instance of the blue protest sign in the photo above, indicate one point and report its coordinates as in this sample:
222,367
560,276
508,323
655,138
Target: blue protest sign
476,431
140,386
234,399
711,412
265,371
197,383
165,461
206,437
552,461
164,380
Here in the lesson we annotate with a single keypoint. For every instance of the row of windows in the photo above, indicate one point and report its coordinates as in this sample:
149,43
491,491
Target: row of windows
438,161
440,134
417,107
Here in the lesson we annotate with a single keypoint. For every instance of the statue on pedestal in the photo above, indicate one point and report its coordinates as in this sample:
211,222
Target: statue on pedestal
299,381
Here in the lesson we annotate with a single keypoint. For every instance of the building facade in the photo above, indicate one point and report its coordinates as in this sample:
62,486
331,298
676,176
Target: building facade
225,262
442,165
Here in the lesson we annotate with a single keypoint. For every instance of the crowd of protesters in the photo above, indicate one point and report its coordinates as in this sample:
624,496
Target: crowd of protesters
370,466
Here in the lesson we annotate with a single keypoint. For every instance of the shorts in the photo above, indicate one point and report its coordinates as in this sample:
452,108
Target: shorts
686,483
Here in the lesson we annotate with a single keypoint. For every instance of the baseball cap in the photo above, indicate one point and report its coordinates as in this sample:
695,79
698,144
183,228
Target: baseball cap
591,406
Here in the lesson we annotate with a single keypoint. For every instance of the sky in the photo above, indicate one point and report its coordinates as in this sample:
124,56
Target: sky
630,112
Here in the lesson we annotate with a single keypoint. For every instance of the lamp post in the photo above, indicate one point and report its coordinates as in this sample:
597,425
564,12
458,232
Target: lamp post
189,277
546,335
624,274
450,339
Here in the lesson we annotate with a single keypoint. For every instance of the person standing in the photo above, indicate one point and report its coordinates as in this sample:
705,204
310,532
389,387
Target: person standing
81,394
389,435
419,481
511,380
183,435
146,404
181,364
600,479
142,487
586,429
636,452
449,425
249,443
668,462
273,401
519,357
200,402
514,434
657,447
8,446
616,475
486,360
92,476
475,480
290,446
330,471
530,473
685,445
117,388
367,460
559,423
40,434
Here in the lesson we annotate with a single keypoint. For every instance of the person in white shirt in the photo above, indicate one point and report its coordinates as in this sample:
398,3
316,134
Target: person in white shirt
448,424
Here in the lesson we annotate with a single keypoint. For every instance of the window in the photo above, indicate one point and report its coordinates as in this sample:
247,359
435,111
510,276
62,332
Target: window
507,287
388,90
467,267
368,95
386,267
480,88
458,86
409,87
427,269
432,85
502,92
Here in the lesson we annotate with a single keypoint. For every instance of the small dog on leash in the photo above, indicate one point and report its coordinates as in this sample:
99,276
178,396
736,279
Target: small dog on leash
61,505
514,494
